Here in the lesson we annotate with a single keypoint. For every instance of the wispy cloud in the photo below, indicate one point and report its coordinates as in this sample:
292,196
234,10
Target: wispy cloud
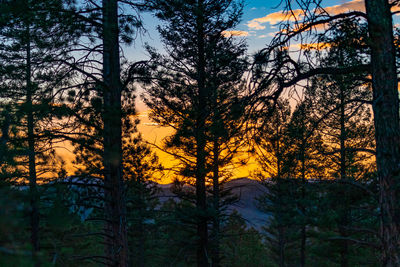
354,5
255,25
276,17
235,33
311,46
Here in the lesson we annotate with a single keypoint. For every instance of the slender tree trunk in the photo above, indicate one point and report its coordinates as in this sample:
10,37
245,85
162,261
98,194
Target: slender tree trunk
343,220
31,154
281,228
202,233
216,219
278,149
142,240
303,246
115,209
387,128
303,195
140,255
4,134
282,244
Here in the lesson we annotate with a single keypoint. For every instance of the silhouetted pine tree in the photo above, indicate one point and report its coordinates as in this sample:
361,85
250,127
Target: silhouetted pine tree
140,167
270,141
225,70
196,91
34,37
342,104
241,245
381,64
304,164
270,147
101,89
285,145
282,231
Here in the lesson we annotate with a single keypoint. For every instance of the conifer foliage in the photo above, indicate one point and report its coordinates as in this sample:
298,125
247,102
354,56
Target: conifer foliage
34,35
315,113
196,91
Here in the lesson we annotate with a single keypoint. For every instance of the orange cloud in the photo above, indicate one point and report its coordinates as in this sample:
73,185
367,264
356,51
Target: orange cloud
354,5
274,18
310,46
396,9
234,33
297,14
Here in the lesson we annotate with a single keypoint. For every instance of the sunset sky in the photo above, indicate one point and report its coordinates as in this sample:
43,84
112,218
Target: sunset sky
259,23
258,26
267,120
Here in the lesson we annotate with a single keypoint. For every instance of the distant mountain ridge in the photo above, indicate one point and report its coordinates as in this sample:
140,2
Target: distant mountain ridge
247,191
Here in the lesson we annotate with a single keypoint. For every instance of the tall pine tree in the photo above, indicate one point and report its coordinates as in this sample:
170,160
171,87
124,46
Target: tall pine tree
195,91
34,37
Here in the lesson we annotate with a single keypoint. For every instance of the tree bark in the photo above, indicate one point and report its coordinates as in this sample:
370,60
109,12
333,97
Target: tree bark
281,228
282,245
141,248
344,210
115,209
202,233
386,120
216,219
4,134
31,154
302,207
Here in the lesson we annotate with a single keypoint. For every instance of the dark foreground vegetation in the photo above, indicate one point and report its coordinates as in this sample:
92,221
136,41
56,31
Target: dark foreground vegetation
321,120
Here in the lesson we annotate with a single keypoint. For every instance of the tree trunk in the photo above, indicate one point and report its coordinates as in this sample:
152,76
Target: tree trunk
344,210
216,219
140,254
5,128
115,209
31,154
202,234
282,245
303,195
303,246
281,228
386,120
278,149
